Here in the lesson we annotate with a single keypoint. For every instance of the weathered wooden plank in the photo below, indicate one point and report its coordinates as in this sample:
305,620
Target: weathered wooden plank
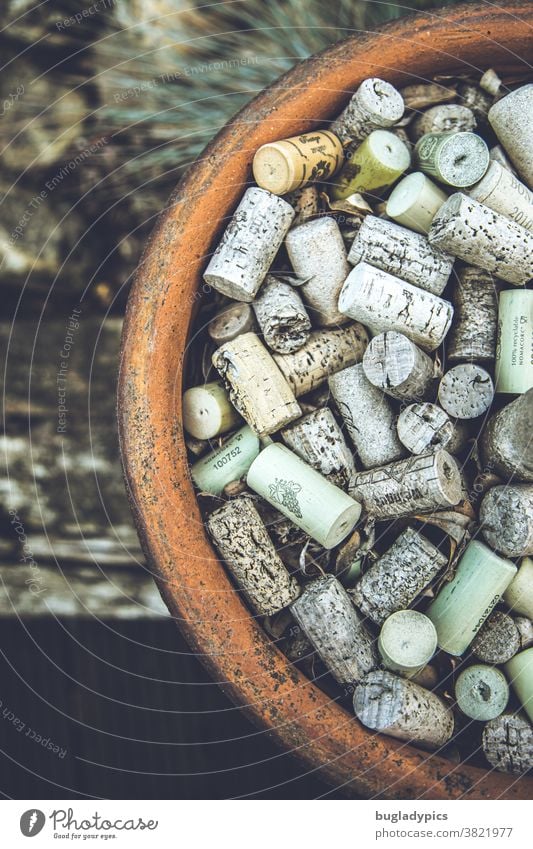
78,591
61,478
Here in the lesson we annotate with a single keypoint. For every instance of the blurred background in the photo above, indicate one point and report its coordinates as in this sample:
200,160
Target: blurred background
103,105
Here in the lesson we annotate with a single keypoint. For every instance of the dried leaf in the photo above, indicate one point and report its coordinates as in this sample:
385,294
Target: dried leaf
352,205
453,523
426,94
292,278
207,365
278,623
437,367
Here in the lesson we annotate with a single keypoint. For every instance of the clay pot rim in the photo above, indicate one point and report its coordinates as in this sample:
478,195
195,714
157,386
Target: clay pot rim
195,586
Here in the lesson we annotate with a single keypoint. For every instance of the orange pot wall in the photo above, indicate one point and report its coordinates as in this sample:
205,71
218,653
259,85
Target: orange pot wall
211,614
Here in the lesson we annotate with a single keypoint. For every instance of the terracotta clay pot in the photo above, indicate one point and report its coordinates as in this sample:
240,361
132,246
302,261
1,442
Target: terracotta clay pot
193,583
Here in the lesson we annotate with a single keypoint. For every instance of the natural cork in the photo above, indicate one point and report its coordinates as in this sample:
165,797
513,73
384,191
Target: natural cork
497,154
318,439
506,519
324,353
476,99
443,118
368,416
249,244
375,104
281,316
403,709
257,388
423,95
402,252
243,542
398,577
491,82
305,203
328,618
382,302
498,640
510,118
525,629
504,193
508,743
474,330
466,391
427,427
395,365
318,256
230,322
506,440
474,233
415,485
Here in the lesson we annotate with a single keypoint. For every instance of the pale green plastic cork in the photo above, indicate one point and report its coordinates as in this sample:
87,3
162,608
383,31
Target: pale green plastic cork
514,349
407,642
462,605
482,692
303,495
227,463
520,674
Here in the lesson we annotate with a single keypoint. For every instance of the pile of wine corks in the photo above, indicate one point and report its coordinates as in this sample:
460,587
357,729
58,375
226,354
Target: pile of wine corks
361,437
